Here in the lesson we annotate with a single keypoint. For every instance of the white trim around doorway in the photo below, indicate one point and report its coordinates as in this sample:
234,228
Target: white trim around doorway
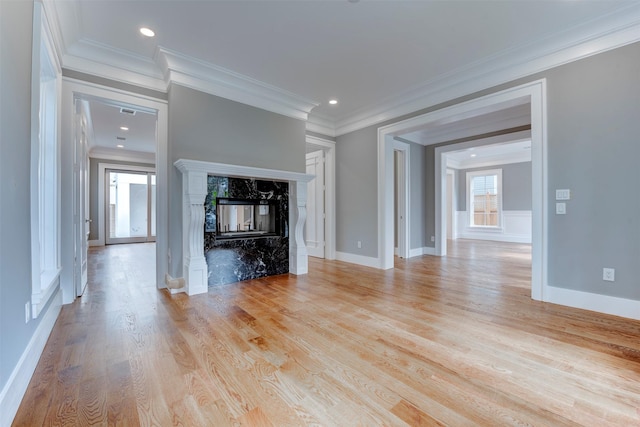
329,148
533,93
73,89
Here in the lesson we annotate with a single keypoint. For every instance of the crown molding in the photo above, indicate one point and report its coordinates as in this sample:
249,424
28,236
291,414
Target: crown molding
122,155
611,31
503,159
320,124
225,83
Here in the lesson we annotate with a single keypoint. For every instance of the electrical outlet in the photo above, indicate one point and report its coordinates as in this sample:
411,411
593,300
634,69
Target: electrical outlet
27,312
359,244
609,274
433,238
561,208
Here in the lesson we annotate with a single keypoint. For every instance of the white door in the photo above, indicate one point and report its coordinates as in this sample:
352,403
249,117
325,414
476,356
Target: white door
314,228
81,214
449,205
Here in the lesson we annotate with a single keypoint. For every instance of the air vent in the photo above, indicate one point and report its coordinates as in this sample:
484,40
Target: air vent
128,111
121,138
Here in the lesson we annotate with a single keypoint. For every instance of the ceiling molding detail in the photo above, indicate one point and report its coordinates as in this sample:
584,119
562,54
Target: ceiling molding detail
321,125
120,155
502,159
225,83
609,32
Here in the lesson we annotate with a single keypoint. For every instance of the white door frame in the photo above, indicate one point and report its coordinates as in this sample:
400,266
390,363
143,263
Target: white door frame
315,205
103,239
75,89
329,148
533,92
403,174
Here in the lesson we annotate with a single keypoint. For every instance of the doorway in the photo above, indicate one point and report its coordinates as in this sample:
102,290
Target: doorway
130,104
130,206
321,194
532,94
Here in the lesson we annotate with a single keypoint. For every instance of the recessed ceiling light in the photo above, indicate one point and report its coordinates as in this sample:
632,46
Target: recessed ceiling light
333,101
120,146
147,32
124,128
473,155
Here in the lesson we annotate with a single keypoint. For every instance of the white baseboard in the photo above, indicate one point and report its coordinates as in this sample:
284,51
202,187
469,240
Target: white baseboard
594,302
421,251
358,259
16,386
95,243
429,251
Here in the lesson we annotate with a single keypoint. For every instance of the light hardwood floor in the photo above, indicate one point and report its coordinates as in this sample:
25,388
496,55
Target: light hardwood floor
454,341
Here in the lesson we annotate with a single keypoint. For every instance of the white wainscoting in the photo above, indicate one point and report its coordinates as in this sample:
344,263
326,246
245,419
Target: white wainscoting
516,228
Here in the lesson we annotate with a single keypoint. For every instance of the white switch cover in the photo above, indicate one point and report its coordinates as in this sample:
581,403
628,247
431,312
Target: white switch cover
609,274
561,208
564,194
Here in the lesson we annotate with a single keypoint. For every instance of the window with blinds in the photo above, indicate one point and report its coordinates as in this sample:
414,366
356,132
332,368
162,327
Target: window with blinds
484,190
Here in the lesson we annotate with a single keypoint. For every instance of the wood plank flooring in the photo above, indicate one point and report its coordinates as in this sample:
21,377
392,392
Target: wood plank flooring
453,341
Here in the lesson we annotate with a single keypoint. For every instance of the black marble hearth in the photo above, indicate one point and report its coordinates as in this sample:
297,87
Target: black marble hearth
240,258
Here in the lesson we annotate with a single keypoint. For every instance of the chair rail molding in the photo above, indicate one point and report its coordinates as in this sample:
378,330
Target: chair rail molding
194,187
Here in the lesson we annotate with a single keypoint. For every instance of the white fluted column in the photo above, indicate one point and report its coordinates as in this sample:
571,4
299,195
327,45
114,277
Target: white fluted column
298,261
194,191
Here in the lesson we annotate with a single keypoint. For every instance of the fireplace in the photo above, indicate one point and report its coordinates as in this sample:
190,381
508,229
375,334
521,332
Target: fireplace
245,218
200,233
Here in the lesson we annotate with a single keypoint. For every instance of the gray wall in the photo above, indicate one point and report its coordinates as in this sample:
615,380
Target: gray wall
356,192
15,148
593,126
209,128
516,186
93,191
594,111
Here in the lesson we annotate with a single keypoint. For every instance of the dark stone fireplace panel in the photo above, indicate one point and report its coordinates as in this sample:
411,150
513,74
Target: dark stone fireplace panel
235,258
244,259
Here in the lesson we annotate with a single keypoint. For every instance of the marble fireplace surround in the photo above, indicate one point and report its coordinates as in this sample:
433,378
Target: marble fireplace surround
194,192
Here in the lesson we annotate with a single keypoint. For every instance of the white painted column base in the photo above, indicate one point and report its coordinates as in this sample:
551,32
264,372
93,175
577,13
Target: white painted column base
196,274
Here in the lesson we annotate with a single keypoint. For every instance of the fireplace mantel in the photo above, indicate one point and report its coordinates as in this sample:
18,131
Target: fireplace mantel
194,192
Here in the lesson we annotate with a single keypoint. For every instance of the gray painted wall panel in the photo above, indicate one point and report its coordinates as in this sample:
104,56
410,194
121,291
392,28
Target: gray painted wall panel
593,110
209,128
16,23
356,193
516,186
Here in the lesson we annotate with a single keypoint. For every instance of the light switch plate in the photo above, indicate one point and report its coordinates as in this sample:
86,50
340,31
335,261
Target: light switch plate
609,274
561,208
564,194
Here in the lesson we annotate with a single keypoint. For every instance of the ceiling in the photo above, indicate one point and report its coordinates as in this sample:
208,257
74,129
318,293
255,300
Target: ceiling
380,59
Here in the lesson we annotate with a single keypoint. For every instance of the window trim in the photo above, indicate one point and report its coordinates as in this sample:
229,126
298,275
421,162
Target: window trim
45,184
485,172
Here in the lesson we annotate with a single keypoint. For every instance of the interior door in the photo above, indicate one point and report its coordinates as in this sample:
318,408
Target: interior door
314,227
130,206
81,200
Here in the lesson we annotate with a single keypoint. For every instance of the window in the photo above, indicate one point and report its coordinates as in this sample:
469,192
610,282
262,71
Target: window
484,198
45,170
